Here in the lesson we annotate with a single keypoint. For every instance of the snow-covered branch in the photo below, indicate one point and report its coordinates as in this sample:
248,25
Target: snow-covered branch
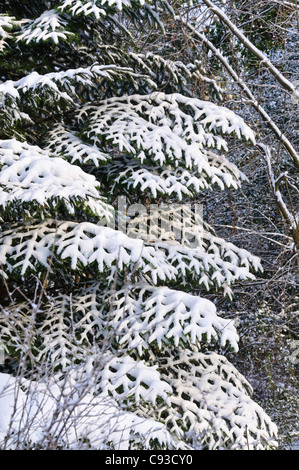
291,220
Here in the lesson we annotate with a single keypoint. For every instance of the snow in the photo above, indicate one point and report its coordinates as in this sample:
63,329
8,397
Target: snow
49,25
36,412
8,88
135,378
168,129
226,410
30,174
65,143
155,315
169,134
161,258
33,413
5,22
11,396
77,7
50,81
174,181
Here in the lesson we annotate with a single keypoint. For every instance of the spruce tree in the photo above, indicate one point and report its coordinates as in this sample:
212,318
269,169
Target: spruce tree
104,257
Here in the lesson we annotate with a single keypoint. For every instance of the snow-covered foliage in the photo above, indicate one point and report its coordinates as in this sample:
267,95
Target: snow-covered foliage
143,317
216,406
109,322
30,176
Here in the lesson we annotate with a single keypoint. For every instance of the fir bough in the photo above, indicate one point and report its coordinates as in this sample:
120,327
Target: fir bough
105,325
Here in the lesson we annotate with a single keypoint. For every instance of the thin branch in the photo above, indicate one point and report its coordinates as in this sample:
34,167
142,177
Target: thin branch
284,82
252,100
291,221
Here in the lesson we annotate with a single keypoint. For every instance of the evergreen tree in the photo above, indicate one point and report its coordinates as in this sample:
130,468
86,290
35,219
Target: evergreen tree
102,273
